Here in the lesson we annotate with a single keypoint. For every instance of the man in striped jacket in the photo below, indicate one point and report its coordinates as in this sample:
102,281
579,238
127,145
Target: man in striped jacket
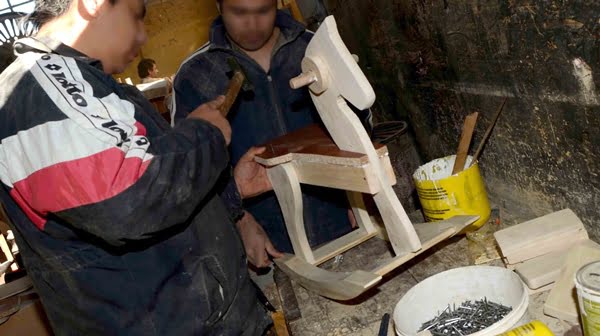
115,213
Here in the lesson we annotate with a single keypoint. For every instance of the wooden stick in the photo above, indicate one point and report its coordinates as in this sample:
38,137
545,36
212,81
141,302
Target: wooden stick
465,142
488,132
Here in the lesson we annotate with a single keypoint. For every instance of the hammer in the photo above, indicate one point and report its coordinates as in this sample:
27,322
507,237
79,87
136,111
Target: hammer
238,82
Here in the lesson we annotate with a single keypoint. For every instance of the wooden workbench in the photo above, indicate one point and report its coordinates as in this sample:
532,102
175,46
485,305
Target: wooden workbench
362,316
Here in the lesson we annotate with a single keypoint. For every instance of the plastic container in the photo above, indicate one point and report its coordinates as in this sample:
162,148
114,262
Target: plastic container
444,195
587,282
535,328
432,295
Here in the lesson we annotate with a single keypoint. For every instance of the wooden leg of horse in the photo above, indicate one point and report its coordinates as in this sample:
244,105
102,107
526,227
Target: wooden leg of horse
287,188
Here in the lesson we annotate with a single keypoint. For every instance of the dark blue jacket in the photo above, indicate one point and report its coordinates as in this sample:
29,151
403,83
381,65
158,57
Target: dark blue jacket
272,110
115,212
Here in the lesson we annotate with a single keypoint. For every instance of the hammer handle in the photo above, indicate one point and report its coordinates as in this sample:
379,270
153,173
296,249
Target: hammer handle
232,92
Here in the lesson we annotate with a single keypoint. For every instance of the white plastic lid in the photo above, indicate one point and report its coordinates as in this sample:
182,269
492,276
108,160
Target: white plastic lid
588,277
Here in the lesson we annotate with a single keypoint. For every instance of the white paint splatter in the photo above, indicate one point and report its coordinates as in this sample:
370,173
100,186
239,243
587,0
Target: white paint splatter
583,73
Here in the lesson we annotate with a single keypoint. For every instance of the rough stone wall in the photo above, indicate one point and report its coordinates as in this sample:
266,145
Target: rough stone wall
433,62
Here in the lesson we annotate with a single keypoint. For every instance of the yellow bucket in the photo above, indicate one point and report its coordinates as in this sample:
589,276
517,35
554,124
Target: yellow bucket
444,195
535,328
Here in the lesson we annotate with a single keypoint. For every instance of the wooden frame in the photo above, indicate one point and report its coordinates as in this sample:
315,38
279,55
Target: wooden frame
344,159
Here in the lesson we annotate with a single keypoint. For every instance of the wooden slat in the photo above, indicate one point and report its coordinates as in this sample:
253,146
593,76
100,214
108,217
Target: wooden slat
539,236
353,178
287,188
312,144
341,245
542,270
335,285
562,300
363,219
430,235
465,142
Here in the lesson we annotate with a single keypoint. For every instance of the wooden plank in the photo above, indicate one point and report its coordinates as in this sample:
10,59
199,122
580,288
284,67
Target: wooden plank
363,219
312,144
464,143
341,245
287,189
542,270
562,300
430,235
354,178
334,285
360,179
540,236
545,288
550,244
389,170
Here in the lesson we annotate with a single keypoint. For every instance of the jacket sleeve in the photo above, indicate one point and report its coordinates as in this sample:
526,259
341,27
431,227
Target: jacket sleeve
164,191
189,93
196,83
94,167
231,197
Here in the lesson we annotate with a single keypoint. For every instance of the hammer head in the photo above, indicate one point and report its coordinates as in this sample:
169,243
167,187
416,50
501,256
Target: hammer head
235,67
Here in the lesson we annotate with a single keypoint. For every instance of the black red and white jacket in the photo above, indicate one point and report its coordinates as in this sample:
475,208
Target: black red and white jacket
115,212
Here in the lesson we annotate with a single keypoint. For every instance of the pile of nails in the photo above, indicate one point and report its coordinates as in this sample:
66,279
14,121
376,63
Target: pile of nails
468,318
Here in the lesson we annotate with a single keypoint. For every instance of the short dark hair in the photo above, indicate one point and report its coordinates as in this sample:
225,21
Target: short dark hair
46,10
144,67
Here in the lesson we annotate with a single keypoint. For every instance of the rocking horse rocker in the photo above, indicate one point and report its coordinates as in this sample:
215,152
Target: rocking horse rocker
348,161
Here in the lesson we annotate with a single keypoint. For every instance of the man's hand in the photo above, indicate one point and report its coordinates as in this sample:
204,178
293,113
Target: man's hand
256,243
210,112
251,177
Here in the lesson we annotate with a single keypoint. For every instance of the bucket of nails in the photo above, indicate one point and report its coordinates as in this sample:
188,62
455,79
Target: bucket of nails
472,300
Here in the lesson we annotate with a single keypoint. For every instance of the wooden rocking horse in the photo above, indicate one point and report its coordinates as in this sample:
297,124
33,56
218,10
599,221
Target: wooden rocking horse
348,161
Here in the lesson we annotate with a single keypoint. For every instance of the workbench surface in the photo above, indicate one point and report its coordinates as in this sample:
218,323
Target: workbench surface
362,316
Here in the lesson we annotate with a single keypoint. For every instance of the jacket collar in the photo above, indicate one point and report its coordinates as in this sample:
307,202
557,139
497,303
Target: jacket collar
290,30
48,45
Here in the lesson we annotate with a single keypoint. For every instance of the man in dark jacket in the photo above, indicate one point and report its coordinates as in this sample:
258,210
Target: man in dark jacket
115,213
269,45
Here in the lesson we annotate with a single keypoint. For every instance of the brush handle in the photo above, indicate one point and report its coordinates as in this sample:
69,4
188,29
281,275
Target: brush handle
232,92
488,132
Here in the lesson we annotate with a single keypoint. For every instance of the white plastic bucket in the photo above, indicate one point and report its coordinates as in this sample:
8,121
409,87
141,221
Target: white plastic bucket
432,295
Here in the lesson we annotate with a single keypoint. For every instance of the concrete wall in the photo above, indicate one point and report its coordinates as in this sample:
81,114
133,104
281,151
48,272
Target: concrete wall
433,62
175,29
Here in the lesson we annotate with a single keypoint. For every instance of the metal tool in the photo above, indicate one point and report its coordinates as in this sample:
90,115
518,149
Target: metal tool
279,323
239,81
488,132
385,322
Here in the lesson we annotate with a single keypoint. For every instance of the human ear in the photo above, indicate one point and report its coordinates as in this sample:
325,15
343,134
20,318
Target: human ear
92,7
